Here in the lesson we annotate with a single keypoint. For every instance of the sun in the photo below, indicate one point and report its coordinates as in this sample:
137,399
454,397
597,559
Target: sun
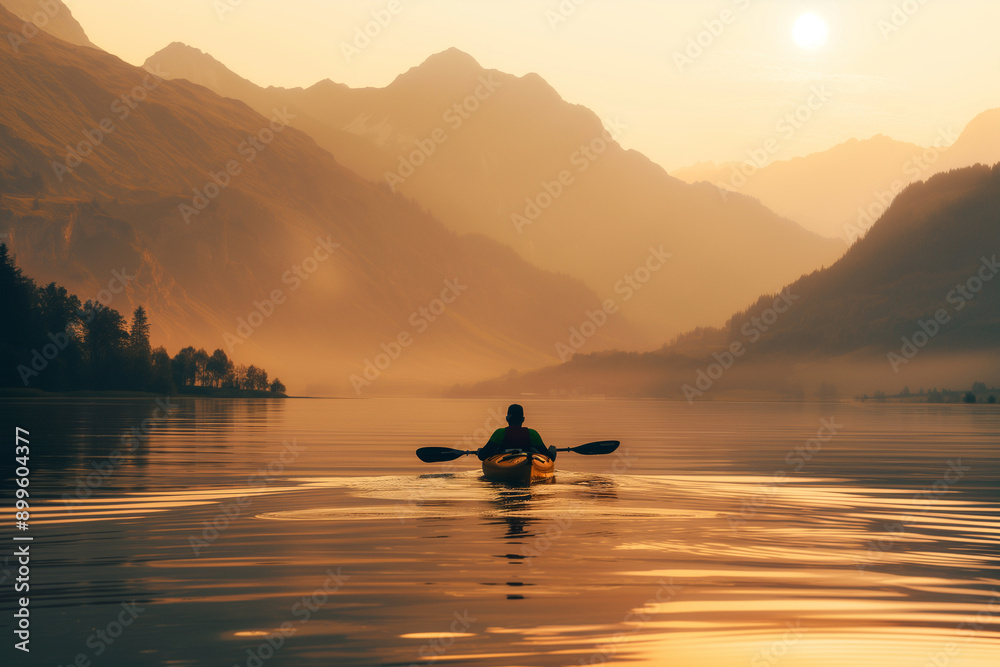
810,31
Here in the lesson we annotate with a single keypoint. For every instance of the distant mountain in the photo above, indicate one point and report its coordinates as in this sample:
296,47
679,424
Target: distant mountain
839,193
937,235
979,143
915,302
824,191
239,232
505,156
52,16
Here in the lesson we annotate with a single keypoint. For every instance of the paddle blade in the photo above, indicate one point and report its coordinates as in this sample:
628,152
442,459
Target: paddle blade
439,454
596,448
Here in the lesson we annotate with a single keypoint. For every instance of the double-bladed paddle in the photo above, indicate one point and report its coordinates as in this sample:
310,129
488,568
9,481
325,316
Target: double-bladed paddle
442,454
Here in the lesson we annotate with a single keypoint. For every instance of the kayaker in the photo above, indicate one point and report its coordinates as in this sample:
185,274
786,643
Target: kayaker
515,437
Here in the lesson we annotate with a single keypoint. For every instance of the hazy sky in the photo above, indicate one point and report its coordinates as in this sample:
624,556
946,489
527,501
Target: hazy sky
938,70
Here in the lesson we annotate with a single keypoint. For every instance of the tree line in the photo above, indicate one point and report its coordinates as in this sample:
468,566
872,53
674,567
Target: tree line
50,340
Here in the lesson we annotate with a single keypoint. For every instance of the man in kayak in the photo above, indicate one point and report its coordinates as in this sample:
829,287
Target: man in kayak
515,437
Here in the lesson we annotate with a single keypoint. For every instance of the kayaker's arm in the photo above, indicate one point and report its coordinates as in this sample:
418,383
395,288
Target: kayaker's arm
538,446
494,446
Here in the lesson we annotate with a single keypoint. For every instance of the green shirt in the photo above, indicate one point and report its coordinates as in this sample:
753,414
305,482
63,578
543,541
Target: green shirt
520,439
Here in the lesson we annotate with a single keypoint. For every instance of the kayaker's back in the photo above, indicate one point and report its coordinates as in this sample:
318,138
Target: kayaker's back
518,438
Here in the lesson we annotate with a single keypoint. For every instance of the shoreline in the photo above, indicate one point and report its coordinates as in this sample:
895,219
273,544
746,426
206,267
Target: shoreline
17,392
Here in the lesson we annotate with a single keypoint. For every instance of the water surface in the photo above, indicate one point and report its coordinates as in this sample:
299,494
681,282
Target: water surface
306,532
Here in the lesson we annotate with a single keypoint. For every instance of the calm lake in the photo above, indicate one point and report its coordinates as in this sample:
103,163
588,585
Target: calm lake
306,532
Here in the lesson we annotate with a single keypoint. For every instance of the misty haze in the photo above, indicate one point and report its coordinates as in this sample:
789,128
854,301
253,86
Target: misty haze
480,333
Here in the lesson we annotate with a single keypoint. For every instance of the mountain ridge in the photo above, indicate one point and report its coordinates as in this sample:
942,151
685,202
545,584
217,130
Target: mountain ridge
503,143
912,303
52,16
841,191
266,196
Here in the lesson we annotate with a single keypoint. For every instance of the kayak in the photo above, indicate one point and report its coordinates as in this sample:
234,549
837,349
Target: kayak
518,468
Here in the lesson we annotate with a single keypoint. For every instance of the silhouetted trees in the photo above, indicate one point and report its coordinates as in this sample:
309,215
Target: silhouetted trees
200,360
104,339
49,341
161,377
238,380
218,367
183,368
139,351
256,379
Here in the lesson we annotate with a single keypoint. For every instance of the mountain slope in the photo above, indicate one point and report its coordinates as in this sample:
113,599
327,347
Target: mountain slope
824,191
52,16
842,191
242,233
505,156
917,301
979,143
937,235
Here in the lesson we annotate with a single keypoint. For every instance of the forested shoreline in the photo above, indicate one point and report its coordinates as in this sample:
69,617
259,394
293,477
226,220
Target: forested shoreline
51,341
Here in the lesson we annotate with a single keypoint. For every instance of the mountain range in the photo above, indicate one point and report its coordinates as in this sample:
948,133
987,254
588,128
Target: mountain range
463,223
50,16
916,302
505,156
840,192
237,231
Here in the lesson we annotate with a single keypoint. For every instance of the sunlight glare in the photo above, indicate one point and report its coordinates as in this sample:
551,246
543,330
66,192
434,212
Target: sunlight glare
810,31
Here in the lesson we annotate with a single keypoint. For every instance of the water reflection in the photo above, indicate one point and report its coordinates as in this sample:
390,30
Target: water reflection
512,506
649,567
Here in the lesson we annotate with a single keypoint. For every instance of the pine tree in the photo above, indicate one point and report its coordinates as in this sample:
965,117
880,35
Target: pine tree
140,353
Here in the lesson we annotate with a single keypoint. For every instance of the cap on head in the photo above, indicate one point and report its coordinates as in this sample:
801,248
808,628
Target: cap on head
515,413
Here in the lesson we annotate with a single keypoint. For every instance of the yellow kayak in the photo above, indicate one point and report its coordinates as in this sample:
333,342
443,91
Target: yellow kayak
519,469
